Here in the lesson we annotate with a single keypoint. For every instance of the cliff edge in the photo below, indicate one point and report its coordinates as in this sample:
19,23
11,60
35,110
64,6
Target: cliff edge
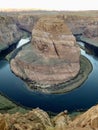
38,119
9,32
52,57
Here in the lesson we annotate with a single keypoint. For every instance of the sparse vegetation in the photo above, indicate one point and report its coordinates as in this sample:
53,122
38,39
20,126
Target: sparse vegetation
7,106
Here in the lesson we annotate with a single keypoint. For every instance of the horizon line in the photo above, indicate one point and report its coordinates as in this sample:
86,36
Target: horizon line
40,9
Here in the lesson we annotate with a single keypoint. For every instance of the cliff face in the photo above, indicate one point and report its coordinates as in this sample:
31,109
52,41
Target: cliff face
90,35
87,26
79,23
26,22
9,32
53,39
52,57
38,119
87,120
91,31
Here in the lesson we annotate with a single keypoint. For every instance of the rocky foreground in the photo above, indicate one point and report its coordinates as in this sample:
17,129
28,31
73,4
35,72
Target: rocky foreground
54,56
38,119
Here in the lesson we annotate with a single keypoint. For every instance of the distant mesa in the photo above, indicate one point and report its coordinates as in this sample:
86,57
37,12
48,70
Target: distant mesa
52,57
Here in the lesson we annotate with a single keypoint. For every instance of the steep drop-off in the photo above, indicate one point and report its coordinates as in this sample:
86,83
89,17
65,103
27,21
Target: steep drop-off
9,32
84,25
90,35
52,57
38,119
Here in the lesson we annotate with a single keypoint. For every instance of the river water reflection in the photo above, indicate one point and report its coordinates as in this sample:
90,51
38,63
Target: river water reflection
81,98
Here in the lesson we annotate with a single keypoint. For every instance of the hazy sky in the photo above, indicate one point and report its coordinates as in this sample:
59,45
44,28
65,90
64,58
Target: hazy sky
51,4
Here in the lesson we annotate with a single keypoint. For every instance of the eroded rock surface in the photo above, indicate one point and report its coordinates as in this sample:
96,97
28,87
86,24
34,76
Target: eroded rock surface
90,35
86,26
9,32
53,56
26,22
87,120
38,119
79,23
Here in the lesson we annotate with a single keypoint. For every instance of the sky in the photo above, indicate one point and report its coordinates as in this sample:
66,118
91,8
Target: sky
51,4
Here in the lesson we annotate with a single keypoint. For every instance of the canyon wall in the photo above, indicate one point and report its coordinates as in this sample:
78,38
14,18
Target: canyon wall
9,32
12,23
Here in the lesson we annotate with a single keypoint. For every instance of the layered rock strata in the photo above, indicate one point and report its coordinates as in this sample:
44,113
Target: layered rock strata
90,35
84,26
53,56
9,32
38,119
87,120
79,23
26,22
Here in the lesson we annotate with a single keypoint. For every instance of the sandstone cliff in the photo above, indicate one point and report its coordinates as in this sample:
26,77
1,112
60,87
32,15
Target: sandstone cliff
9,32
38,119
87,120
86,26
52,57
79,22
26,22
90,35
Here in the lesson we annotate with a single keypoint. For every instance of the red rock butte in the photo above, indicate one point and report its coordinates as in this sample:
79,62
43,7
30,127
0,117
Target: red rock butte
55,55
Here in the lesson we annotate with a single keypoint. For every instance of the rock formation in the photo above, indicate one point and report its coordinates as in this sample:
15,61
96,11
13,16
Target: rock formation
26,22
78,23
91,31
87,120
90,35
86,26
38,119
53,56
9,32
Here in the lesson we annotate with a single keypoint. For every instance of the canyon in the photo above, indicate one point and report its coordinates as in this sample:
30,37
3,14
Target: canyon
82,25
52,57
16,22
